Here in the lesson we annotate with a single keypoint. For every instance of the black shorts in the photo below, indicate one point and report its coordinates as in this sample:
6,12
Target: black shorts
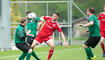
92,41
23,47
30,40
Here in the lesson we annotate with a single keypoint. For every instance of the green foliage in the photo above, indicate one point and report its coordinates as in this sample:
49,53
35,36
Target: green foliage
85,4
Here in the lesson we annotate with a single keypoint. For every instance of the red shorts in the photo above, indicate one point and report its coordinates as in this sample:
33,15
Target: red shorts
41,39
102,33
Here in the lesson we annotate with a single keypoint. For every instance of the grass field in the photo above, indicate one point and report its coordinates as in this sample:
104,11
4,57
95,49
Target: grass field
73,52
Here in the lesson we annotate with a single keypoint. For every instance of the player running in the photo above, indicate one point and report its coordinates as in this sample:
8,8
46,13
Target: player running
102,30
94,34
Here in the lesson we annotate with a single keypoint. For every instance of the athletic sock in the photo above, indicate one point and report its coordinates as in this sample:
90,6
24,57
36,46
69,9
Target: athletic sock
89,53
50,54
34,55
22,56
102,46
28,56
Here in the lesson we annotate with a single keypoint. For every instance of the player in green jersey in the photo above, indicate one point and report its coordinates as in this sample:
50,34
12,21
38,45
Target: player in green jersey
94,34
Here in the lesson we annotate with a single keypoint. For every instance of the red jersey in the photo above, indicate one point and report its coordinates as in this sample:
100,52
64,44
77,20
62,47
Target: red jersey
49,27
102,20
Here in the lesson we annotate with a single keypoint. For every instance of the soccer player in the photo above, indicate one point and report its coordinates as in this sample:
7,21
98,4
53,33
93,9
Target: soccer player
47,30
20,36
102,30
94,34
32,25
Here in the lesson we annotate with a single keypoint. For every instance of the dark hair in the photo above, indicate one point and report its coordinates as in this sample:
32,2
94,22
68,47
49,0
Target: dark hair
22,20
28,12
92,10
56,13
104,4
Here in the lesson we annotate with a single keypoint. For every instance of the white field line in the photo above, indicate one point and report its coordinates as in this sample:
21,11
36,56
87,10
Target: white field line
56,51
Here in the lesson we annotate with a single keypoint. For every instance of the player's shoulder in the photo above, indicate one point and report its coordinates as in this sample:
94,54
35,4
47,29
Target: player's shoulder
57,23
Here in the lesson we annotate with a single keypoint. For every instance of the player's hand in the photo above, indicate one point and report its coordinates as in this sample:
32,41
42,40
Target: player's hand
31,35
81,25
29,31
65,44
87,31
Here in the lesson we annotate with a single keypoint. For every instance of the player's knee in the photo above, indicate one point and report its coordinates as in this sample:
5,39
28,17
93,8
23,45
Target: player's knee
101,41
33,44
84,46
52,46
30,50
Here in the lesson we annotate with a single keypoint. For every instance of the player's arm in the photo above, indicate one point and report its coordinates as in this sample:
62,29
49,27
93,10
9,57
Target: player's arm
63,37
39,26
40,23
45,18
99,17
22,34
88,24
28,33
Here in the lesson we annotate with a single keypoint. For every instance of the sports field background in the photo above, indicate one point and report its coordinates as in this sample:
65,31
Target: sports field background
73,52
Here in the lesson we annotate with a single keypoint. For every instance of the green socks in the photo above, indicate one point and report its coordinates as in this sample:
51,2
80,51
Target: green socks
22,56
34,55
89,53
28,56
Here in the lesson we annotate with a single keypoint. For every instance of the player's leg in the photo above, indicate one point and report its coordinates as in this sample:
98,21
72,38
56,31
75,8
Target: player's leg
30,51
37,41
29,41
102,46
35,55
51,44
26,48
102,42
87,48
29,54
88,51
22,56
21,47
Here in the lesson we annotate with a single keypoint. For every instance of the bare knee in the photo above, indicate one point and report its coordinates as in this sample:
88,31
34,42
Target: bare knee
52,47
34,44
101,40
30,50
84,46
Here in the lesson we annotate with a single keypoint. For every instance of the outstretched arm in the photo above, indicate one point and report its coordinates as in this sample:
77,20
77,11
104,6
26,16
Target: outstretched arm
88,24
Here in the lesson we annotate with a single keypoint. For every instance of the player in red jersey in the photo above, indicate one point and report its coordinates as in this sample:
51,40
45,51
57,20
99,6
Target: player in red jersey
46,32
102,30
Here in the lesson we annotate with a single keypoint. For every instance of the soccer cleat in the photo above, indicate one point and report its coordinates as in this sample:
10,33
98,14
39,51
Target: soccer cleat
103,55
93,58
39,59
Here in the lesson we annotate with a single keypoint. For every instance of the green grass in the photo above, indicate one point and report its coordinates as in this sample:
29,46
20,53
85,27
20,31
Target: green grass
73,52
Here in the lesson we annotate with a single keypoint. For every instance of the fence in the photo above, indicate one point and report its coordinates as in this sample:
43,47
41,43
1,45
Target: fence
43,8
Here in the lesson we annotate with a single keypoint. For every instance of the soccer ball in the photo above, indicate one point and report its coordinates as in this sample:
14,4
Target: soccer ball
32,16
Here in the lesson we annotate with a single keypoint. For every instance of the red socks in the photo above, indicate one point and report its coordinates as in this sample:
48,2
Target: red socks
102,46
50,54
